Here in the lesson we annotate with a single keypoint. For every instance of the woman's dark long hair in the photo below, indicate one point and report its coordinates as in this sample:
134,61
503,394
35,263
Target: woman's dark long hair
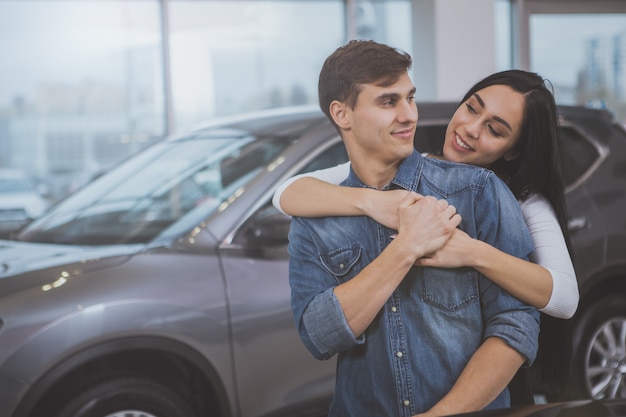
537,170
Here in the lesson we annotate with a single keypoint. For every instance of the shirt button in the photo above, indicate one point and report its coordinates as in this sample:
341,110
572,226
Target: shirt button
399,354
407,403
394,309
341,266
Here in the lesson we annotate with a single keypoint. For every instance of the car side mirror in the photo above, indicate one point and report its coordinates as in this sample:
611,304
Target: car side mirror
269,227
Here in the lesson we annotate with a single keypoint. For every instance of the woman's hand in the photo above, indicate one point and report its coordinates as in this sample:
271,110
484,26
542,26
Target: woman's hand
425,224
455,253
382,206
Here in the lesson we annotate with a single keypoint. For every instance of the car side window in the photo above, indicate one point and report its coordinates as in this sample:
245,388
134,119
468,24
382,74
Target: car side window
577,154
270,228
333,156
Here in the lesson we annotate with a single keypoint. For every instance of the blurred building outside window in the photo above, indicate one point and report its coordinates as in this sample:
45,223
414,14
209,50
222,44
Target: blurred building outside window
81,86
583,56
230,57
84,82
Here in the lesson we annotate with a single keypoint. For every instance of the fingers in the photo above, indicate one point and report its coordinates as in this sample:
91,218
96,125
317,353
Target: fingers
441,204
450,211
412,198
425,223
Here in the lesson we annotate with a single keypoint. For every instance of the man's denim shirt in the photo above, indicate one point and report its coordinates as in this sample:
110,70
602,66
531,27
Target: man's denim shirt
418,344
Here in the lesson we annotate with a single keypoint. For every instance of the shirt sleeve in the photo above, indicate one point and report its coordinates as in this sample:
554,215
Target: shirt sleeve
501,224
334,175
551,253
319,318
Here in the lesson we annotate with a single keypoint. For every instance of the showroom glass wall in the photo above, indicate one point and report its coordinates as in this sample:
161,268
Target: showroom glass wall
87,83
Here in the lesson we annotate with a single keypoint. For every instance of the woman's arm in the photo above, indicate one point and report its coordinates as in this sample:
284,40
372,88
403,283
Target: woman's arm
316,194
548,282
294,195
551,253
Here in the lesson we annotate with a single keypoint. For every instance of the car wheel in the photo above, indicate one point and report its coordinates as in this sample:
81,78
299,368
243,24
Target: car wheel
127,397
600,358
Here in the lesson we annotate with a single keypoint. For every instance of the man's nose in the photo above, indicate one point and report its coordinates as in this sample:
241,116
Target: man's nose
408,112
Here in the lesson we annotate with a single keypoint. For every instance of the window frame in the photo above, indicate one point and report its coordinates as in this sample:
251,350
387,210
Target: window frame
523,9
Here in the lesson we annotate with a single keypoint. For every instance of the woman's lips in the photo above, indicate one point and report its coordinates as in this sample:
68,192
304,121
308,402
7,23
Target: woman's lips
461,144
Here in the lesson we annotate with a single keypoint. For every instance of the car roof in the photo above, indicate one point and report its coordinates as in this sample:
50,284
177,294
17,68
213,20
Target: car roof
595,121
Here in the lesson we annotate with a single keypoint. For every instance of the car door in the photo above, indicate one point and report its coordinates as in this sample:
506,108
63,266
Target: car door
274,371
581,157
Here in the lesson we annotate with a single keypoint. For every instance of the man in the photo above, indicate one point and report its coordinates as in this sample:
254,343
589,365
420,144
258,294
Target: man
410,340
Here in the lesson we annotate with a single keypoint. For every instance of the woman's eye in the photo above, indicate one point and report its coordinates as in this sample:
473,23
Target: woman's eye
470,108
495,132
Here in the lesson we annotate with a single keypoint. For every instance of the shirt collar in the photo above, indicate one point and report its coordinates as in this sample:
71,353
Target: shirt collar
407,177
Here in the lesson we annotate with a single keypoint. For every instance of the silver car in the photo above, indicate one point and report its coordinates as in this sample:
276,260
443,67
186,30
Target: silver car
161,288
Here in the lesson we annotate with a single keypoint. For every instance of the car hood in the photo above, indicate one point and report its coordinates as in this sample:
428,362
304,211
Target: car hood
21,257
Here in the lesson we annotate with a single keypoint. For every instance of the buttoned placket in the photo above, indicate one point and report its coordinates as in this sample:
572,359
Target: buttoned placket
399,352
399,357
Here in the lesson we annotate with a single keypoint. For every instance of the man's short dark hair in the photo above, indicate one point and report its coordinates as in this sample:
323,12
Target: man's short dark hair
357,63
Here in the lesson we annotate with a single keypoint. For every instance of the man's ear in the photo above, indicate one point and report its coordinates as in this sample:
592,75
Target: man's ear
339,114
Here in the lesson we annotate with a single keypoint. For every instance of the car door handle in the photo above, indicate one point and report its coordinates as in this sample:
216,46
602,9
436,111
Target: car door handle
576,224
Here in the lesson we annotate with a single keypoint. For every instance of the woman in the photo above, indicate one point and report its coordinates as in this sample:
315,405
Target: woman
507,122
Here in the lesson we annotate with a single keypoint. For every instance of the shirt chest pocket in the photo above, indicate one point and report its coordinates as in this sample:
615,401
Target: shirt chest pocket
342,262
449,289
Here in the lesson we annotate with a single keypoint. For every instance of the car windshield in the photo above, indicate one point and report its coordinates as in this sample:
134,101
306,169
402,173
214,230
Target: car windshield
145,195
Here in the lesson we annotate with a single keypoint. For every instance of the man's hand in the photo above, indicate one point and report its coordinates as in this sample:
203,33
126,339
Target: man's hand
453,254
425,223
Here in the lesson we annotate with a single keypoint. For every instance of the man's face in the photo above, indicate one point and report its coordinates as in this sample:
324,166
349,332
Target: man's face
381,127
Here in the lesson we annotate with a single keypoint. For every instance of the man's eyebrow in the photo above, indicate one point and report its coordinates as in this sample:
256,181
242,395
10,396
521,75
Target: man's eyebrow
496,118
385,96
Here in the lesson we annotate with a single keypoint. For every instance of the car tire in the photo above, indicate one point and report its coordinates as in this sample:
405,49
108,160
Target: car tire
127,397
600,357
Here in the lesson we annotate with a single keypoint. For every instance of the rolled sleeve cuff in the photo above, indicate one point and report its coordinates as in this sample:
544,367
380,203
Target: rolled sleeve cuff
327,327
520,331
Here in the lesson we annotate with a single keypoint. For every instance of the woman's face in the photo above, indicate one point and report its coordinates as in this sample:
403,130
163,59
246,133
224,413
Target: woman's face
486,127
